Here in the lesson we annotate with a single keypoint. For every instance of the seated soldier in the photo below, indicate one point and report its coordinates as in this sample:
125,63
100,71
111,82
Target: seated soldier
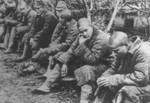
64,35
41,31
17,32
61,9
8,20
76,13
127,81
41,57
89,53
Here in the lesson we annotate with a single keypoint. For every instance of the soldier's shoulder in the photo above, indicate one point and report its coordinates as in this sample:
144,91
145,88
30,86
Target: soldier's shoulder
33,12
145,48
102,35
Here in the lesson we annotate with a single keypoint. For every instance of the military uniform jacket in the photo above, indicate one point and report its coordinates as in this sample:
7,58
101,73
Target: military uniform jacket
134,66
63,36
28,19
93,52
43,25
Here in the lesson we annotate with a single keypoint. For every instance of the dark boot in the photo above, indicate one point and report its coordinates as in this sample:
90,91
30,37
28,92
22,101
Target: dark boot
25,54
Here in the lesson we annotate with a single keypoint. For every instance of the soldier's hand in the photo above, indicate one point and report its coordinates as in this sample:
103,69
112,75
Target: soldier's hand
107,81
64,58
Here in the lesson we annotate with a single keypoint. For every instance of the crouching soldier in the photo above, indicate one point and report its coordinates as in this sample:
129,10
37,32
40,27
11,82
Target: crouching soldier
59,40
41,31
128,79
89,53
64,35
18,31
8,20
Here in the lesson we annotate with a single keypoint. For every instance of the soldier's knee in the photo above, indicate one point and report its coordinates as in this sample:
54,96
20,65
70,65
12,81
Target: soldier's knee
128,90
85,68
85,74
81,70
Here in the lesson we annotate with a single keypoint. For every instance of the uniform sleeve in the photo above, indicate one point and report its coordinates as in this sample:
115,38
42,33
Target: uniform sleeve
12,22
74,45
140,74
66,44
65,58
31,18
57,33
72,35
95,53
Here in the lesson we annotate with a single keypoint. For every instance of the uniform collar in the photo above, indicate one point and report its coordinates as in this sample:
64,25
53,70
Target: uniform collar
135,45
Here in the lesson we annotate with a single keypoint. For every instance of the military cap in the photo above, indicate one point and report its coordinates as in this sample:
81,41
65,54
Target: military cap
39,3
61,5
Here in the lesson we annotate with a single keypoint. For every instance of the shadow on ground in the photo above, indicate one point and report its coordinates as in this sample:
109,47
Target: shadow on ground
17,89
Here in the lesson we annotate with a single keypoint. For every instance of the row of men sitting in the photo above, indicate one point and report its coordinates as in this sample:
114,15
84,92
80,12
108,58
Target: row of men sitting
114,67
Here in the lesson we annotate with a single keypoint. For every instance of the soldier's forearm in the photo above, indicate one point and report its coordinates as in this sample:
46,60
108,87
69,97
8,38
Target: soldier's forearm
63,46
123,79
13,22
108,72
1,21
128,81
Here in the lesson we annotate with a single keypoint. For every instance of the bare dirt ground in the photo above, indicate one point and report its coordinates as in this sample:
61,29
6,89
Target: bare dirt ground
17,89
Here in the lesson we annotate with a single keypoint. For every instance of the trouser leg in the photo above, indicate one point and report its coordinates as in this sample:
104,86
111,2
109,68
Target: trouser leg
6,39
132,94
26,53
87,75
104,96
50,66
52,76
11,39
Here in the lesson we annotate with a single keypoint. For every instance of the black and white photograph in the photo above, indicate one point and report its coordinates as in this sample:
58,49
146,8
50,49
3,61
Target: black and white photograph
74,51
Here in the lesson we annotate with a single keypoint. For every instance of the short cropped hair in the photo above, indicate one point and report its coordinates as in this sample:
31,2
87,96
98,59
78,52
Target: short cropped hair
84,21
119,38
